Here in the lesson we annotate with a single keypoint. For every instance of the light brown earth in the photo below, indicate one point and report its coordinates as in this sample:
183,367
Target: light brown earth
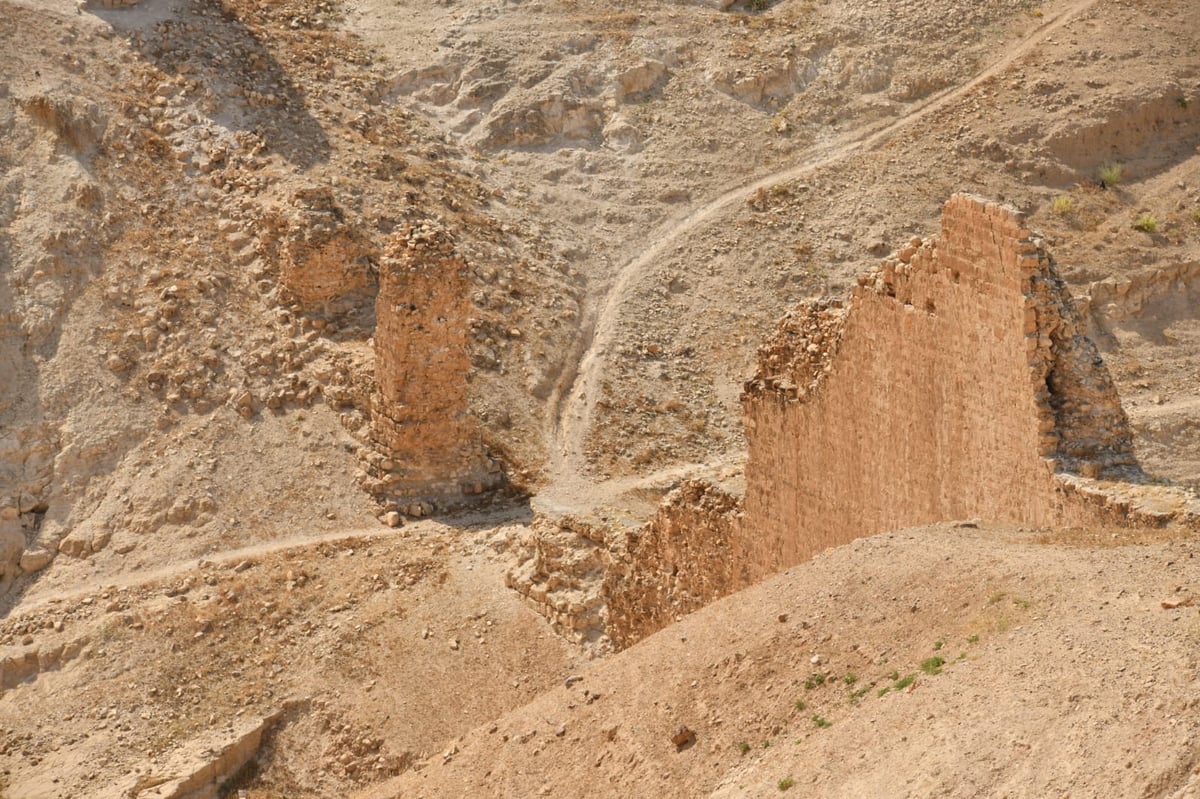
196,200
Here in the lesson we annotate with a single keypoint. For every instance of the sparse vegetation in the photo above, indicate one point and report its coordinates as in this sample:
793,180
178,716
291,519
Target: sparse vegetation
850,678
813,681
904,682
821,721
973,638
1110,174
785,783
938,644
933,665
800,704
1062,205
743,746
1146,223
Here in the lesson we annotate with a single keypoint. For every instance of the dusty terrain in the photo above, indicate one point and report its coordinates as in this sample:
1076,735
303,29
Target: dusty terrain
214,573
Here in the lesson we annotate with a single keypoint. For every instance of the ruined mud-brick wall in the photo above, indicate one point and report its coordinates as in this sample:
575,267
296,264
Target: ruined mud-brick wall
955,382
321,256
428,441
686,556
560,568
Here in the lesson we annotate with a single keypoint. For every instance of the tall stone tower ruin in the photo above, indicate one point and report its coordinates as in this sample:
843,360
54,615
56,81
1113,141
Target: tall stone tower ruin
420,421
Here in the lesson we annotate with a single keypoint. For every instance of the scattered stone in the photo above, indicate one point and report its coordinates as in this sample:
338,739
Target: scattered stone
683,737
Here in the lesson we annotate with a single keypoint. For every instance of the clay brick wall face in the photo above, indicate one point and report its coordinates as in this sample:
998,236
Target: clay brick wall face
937,404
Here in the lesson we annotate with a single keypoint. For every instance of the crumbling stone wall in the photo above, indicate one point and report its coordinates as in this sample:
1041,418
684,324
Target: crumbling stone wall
428,441
321,257
955,382
688,554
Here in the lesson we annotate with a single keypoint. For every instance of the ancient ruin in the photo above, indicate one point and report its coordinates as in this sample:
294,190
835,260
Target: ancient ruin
480,398
955,382
421,423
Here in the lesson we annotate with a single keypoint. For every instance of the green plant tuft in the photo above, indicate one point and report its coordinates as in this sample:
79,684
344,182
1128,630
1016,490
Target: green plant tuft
904,682
743,746
785,783
1062,205
1110,174
1146,223
933,665
821,722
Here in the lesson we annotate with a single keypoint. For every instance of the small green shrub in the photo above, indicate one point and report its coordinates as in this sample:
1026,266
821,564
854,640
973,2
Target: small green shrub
743,746
1062,205
785,783
850,678
821,722
903,683
813,681
933,665
800,704
885,689
1110,174
973,639
938,644
1146,223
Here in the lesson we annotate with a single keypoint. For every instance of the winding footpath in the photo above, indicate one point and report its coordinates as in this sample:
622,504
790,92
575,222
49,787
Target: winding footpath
573,400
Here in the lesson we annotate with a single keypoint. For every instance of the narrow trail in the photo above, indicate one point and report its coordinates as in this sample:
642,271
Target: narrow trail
35,601
573,399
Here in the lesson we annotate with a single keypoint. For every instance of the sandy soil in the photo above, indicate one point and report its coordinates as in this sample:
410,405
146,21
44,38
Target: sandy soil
641,193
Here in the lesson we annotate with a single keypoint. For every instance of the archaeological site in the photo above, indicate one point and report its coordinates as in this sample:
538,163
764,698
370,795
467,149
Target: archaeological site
573,398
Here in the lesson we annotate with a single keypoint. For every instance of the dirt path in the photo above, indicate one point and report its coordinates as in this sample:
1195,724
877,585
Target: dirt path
34,602
573,399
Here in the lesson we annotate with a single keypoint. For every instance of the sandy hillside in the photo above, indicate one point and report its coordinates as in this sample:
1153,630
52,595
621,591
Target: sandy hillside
943,661
213,575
